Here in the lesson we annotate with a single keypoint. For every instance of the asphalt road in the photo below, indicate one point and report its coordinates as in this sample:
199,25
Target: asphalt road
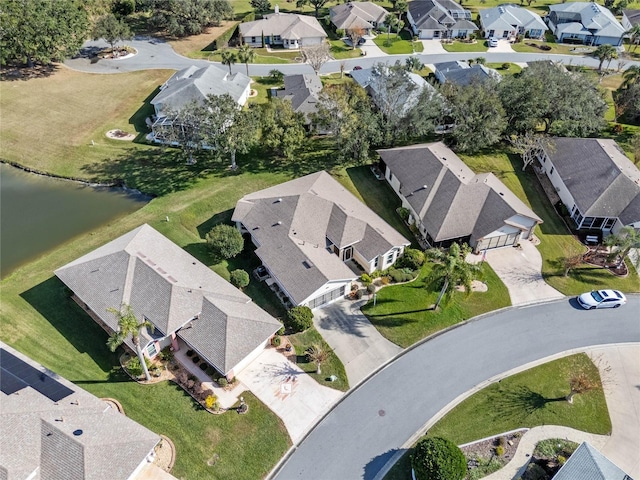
157,54
357,438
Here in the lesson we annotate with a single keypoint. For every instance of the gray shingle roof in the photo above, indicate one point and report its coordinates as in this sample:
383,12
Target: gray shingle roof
601,179
286,25
292,221
357,14
435,14
632,15
593,16
79,437
587,463
193,84
461,73
505,16
302,91
450,199
163,283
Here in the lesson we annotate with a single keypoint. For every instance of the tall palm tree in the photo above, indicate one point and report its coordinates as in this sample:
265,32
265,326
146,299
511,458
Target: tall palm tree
452,269
246,55
128,324
634,36
228,58
631,76
391,23
626,239
605,52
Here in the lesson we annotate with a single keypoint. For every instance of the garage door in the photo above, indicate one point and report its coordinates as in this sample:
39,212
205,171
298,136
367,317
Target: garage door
327,297
501,241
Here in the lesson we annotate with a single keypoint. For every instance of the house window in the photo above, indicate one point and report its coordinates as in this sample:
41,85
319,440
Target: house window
376,262
609,223
253,39
151,350
492,33
552,170
390,257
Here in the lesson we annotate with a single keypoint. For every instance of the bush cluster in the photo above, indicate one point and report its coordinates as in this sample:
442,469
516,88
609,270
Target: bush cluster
299,319
411,258
436,458
400,275
134,368
239,278
225,241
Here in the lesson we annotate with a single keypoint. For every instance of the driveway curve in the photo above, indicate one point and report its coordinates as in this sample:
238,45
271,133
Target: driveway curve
362,432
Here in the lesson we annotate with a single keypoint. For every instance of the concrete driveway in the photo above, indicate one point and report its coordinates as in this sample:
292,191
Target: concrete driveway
289,392
504,46
354,339
520,270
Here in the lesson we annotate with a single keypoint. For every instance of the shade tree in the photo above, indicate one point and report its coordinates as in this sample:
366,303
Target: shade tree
112,29
189,17
282,128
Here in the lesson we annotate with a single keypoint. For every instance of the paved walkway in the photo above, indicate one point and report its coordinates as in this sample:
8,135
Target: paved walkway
622,383
360,347
519,269
289,392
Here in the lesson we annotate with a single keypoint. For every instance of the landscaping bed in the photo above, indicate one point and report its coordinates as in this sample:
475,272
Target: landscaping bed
487,456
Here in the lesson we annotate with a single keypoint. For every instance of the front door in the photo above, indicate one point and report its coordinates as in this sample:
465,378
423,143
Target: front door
347,254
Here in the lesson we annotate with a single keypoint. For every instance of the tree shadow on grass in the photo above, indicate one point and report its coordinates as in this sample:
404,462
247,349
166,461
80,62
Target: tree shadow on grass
138,119
518,401
13,73
221,217
51,300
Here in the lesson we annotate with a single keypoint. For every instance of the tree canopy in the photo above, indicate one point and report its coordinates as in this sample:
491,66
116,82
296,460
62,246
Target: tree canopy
112,29
436,458
189,17
282,128
41,31
225,241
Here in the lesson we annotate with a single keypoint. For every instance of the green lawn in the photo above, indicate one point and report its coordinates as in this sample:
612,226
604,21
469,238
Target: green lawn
263,56
341,51
402,44
480,46
528,399
333,366
512,70
402,313
558,48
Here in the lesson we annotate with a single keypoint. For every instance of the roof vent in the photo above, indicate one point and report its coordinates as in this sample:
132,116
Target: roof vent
501,194
77,432
278,200
279,222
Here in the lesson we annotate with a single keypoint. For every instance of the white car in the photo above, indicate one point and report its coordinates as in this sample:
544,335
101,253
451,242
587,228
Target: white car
602,299
493,42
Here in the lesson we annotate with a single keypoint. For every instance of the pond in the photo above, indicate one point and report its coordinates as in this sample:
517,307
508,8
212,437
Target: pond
38,214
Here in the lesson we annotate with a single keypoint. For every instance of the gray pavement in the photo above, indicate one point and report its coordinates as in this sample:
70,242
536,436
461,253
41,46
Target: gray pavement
373,422
354,339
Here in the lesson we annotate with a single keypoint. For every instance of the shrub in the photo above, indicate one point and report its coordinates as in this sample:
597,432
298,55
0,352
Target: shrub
412,258
203,366
505,66
386,280
366,278
299,319
166,355
210,371
134,368
502,441
281,331
195,359
209,401
404,213
223,382
190,384
239,278
499,450
340,32
436,458
358,294
387,43
276,341
223,39
371,288
216,406
182,377
190,353
225,241
399,276
562,460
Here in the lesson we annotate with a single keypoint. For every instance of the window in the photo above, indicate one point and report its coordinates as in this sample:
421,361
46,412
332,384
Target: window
552,170
253,39
609,223
390,257
376,262
151,350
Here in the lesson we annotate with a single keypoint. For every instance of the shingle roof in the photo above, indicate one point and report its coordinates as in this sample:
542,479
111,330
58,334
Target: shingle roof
286,25
357,14
432,14
601,179
302,91
632,15
587,463
162,283
461,73
78,437
292,221
505,16
450,199
592,16
193,84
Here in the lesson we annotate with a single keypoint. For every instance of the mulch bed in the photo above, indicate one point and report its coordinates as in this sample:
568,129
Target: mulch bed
600,259
480,453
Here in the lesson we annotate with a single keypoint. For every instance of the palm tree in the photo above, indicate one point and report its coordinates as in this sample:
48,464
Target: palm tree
605,52
631,76
626,239
391,22
452,268
246,55
128,324
318,355
228,58
634,36
413,64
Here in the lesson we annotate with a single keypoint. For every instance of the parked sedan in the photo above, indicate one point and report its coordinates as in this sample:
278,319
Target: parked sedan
493,42
602,299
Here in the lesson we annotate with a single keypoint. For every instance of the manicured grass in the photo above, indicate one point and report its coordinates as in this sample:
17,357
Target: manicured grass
340,50
335,79
512,70
481,45
558,48
402,44
528,399
333,366
263,56
402,313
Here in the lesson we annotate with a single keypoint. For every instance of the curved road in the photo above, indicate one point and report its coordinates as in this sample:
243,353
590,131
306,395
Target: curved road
357,438
157,54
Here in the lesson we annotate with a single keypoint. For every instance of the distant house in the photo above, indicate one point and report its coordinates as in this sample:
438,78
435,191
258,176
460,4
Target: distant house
352,15
307,231
439,19
449,203
288,30
302,91
586,22
53,429
179,295
587,463
630,18
461,73
596,182
509,20
399,100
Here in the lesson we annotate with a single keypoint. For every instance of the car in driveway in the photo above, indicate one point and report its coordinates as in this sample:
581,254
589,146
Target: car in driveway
493,42
602,299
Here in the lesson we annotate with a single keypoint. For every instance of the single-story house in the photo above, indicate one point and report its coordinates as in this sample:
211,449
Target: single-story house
179,295
630,18
509,21
587,463
288,30
587,22
596,182
352,15
302,91
307,231
439,19
449,203
398,100
53,429
460,72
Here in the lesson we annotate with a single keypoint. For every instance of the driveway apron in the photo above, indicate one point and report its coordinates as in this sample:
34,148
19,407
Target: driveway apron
354,339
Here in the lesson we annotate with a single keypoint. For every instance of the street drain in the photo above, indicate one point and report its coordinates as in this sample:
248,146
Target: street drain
382,413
